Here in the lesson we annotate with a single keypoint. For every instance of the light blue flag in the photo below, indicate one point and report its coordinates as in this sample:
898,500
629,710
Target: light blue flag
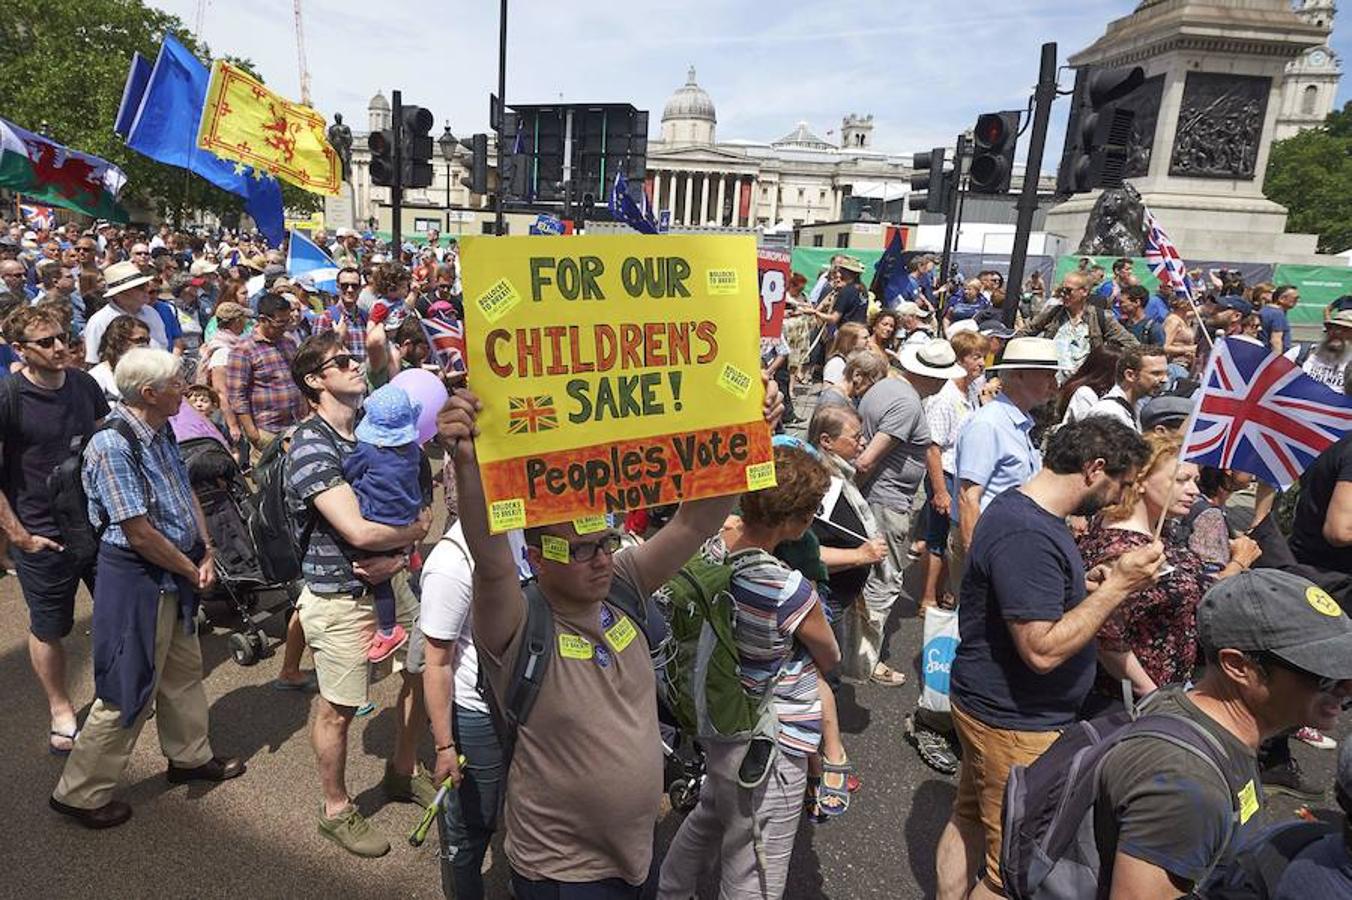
305,257
165,129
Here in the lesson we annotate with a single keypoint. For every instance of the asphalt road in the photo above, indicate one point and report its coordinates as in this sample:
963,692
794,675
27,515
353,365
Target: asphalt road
255,836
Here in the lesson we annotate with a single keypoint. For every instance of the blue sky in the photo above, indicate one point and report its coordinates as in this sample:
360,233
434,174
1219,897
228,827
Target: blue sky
767,66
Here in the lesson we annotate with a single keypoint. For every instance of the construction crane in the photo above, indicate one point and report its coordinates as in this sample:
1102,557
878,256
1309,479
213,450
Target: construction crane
300,57
201,14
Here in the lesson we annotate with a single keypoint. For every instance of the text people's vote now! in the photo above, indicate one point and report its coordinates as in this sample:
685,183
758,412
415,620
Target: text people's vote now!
618,372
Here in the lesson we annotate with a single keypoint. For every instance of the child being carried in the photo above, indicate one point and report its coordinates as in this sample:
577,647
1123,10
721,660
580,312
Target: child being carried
383,472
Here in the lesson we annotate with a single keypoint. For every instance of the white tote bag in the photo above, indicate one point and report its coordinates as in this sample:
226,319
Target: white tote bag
936,657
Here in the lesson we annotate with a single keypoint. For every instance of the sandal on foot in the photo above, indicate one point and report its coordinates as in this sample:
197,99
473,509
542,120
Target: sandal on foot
834,798
54,736
887,676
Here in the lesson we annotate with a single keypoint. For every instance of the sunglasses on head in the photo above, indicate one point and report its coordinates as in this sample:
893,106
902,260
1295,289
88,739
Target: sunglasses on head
46,343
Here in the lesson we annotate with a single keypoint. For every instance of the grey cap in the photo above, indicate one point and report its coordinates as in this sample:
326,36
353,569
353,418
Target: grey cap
1266,610
1159,410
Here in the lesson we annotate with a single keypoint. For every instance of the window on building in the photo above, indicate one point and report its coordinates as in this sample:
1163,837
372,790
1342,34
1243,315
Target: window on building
801,194
1308,99
797,223
821,195
816,240
488,227
843,239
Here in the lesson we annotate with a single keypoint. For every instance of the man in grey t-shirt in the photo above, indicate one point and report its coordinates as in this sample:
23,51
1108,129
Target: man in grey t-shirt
890,468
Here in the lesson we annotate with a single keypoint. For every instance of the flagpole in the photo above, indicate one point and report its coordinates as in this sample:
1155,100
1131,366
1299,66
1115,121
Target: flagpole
1183,447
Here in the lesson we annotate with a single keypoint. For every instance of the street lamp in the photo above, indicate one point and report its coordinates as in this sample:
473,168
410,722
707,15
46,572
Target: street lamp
448,144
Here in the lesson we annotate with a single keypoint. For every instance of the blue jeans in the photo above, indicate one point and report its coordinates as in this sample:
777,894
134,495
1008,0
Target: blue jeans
470,816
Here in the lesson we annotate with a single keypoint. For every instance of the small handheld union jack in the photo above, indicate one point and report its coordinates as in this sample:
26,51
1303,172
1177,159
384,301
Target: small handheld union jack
1259,412
446,340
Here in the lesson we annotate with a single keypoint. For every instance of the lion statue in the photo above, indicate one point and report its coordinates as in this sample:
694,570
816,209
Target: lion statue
1116,225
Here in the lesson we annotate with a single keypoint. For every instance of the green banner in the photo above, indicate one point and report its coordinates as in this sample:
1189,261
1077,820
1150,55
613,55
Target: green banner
810,262
1067,264
1319,286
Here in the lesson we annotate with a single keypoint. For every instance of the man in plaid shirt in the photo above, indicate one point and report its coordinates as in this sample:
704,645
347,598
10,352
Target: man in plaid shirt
258,381
345,317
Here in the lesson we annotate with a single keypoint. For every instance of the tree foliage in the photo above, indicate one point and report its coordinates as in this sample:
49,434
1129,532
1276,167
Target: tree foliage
1311,175
65,64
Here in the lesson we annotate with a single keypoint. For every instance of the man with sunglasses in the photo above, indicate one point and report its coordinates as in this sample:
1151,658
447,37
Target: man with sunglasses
585,779
343,555
346,318
1278,655
259,386
47,409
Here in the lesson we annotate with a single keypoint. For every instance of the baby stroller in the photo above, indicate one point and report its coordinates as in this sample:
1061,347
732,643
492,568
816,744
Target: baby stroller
240,585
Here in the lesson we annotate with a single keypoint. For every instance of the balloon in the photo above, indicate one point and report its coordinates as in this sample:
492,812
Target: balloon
426,390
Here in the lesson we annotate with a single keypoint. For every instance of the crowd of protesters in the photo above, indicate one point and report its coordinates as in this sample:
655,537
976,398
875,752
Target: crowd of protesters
1034,472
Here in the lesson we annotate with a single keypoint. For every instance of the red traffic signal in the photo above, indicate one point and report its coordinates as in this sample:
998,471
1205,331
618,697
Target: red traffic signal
990,131
994,139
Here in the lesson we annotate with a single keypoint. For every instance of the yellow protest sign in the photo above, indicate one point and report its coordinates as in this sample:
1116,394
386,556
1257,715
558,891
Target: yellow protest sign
617,372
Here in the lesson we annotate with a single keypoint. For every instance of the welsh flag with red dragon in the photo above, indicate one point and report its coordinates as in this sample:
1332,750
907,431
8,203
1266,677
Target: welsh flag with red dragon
40,168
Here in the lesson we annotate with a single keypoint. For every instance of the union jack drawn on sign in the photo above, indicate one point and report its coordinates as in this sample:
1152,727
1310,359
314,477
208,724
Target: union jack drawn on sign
527,415
1260,413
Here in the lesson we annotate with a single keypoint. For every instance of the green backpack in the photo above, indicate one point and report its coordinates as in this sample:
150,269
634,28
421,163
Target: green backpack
699,678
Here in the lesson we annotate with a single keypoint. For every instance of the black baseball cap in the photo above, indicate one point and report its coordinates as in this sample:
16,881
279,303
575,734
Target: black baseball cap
1267,610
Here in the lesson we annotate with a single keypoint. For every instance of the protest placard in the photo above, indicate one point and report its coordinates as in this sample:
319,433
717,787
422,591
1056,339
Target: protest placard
773,268
616,372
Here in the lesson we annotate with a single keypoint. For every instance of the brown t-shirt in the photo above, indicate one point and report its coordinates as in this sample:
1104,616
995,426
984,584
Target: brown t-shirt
586,777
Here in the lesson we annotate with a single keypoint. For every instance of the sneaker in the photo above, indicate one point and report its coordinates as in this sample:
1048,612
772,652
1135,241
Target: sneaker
416,788
1286,778
933,748
350,830
383,645
1315,738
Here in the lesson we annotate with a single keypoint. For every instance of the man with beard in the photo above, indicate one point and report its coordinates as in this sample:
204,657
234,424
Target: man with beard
1327,361
1028,616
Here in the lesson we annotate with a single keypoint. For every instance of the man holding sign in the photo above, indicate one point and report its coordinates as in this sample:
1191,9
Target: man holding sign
585,768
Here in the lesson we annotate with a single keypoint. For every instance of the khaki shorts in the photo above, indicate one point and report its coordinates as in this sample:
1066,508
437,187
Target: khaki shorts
339,628
988,754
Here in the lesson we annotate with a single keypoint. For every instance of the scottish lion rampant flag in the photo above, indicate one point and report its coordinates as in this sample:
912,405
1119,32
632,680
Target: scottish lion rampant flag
446,340
1259,412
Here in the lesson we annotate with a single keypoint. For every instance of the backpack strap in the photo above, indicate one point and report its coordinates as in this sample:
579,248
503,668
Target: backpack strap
530,666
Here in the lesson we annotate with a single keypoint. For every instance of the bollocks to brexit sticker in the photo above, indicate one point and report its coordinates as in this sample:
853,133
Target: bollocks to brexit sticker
554,548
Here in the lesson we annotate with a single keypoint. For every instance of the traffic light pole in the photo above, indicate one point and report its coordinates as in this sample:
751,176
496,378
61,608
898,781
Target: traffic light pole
397,183
954,212
500,226
1032,170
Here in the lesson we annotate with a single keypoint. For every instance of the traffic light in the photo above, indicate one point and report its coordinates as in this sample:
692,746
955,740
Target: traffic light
993,142
1098,136
417,147
930,184
477,182
381,145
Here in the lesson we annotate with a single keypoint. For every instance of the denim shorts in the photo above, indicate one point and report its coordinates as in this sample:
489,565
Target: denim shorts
49,579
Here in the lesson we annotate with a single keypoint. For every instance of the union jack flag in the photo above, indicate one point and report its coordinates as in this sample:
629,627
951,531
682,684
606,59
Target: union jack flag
446,340
42,218
1259,412
1162,257
527,415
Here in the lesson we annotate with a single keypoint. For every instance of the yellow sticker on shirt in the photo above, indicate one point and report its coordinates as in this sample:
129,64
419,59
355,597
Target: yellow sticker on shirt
554,548
1248,802
621,634
574,646
1322,602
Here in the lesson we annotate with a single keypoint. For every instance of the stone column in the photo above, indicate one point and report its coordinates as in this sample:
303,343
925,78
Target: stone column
704,198
657,192
689,198
774,203
751,209
722,197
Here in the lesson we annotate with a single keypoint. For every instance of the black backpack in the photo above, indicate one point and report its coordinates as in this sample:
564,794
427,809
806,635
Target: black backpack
65,483
272,527
1048,848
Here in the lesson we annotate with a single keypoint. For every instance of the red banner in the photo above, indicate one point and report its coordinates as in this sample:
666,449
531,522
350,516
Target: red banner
773,268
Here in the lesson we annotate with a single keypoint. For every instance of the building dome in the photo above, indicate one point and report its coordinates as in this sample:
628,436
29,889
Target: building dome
688,117
378,102
378,112
690,102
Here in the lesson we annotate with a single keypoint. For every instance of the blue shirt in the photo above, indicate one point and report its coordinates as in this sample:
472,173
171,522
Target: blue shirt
1274,319
119,490
385,480
1023,566
995,450
1157,308
169,315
